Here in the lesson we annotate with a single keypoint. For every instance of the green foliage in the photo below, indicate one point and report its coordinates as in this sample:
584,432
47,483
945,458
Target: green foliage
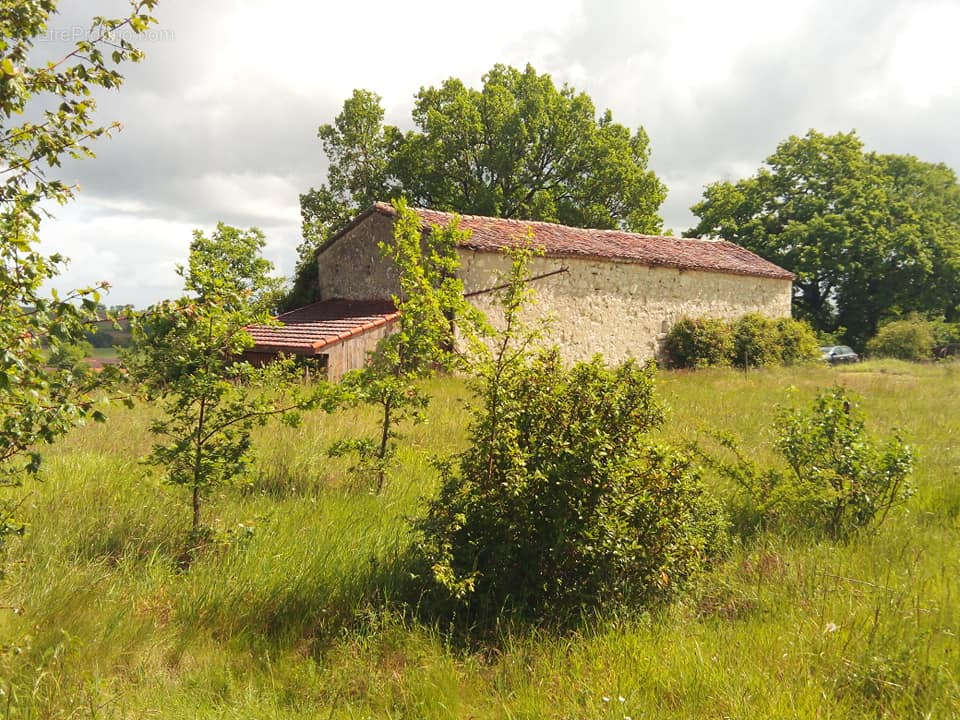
698,342
797,343
750,341
867,235
39,402
244,274
101,339
64,128
836,478
68,356
519,147
562,502
755,342
431,304
945,335
185,355
911,339
825,338
358,147
46,115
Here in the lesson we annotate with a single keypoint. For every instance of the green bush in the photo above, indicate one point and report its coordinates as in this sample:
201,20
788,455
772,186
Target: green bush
698,342
101,339
911,339
67,356
755,342
945,335
563,502
796,341
836,337
752,341
834,476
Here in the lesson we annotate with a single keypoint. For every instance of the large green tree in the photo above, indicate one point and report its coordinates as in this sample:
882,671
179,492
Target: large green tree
869,236
517,147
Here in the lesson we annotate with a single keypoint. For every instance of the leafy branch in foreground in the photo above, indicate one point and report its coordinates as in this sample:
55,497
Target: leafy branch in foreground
430,305
59,92
40,400
186,353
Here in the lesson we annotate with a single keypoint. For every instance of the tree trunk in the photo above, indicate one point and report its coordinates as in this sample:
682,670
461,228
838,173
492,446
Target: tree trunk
384,439
196,508
197,464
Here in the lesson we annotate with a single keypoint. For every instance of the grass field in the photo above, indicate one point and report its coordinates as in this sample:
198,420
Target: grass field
293,619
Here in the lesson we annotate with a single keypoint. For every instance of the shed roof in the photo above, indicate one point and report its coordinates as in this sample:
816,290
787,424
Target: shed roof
310,329
490,234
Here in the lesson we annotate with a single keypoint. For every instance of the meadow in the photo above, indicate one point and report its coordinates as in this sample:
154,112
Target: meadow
294,614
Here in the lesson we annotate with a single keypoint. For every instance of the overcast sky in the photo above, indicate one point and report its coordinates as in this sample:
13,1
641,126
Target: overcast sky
220,119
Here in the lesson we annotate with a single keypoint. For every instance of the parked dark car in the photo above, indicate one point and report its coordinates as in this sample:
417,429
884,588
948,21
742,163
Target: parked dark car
835,354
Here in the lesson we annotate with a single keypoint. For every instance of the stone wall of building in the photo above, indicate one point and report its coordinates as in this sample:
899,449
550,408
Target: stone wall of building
352,353
352,268
622,309
619,309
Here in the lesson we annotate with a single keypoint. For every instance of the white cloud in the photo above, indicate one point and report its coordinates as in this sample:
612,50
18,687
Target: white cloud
925,62
270,197
136,255
329,48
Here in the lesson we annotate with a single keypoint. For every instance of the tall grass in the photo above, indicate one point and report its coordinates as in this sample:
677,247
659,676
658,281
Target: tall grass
290,616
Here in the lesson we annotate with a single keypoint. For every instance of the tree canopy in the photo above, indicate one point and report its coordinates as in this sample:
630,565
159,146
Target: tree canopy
518,147
869,236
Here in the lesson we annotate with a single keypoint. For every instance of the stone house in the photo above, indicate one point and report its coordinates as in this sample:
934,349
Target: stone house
607,291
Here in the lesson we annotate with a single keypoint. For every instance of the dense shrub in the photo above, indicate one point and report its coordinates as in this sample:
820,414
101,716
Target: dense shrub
911,339
834,476
563,502
753,340
836,337
698,342
67,356
797,342
101,339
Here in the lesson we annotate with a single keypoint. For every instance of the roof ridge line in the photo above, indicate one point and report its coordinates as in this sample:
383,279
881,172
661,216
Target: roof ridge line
388,209
489,233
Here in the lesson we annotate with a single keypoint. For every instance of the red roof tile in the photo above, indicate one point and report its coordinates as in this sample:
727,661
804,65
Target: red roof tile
313,327
490,234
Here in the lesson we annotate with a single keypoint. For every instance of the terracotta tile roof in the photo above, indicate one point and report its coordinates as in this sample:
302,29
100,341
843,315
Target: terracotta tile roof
309,329
492,234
